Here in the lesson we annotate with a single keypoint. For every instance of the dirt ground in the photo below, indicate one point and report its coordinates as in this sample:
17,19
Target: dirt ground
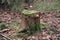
51,18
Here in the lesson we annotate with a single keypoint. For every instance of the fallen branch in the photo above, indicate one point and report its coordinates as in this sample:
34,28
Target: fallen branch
5,36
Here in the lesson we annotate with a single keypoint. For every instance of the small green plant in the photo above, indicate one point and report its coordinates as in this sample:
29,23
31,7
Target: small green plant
19,34
2,26
33,28
52,28
44,25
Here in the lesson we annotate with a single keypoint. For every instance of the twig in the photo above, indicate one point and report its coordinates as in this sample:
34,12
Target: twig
5,36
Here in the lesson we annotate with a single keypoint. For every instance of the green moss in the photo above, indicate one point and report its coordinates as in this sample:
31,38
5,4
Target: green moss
29,11
2,26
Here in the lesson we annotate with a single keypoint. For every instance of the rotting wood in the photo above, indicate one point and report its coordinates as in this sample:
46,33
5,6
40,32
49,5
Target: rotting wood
27,20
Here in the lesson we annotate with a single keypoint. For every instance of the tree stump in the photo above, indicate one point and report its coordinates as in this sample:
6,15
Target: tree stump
27,20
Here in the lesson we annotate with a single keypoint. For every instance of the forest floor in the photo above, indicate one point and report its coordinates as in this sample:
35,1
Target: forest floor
12,21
